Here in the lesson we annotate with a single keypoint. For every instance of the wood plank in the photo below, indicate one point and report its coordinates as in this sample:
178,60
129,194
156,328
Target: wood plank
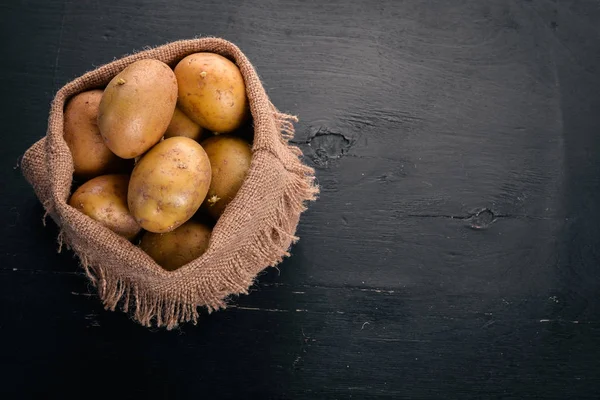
320,341
446,120
30,41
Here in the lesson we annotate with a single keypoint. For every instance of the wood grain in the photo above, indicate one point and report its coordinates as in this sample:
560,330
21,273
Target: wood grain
299,341
453,250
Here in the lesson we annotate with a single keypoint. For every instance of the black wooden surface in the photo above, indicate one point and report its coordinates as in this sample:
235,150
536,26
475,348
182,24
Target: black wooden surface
453,252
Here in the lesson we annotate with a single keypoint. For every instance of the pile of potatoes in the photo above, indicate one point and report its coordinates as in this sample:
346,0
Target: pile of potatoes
161,152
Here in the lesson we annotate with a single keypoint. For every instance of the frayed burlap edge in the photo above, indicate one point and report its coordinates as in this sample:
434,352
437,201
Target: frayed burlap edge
241,247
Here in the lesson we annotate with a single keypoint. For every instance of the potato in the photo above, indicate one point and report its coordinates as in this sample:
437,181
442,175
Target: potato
230,159
168,184
104,199
182,125
212,92
173,249
91,157
137,107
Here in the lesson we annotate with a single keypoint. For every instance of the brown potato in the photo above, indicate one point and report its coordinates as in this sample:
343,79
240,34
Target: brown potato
230,159
212,92
104,199
182,125
169,184
91,157
174,249
137,107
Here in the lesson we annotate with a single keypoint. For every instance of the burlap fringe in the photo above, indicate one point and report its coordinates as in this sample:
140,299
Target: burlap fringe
152,308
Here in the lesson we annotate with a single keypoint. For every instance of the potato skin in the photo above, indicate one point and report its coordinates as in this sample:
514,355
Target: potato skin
168,184
91,157
212,92
137,107
104,199
182,125
230,159
174,249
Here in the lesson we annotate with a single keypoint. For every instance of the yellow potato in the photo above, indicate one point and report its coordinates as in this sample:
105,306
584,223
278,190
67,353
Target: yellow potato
173,249
182,125
137,107
104,199
168,184
91,157
212,92
230,159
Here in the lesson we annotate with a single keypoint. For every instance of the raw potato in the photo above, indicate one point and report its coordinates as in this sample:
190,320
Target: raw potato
137,107
104,199
230,159
212,92
182,125
91,157
173,249
169,184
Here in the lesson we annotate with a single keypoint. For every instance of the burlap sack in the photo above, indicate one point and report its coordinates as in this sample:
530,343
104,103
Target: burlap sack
255,231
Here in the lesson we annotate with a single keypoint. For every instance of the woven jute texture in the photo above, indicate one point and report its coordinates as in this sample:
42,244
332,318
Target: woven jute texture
256,230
